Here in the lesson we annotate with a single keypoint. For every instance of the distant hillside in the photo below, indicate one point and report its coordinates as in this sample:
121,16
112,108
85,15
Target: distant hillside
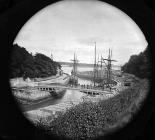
81,64
24,64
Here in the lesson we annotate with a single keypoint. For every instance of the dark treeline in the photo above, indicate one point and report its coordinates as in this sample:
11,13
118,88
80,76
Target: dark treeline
23,64
139,65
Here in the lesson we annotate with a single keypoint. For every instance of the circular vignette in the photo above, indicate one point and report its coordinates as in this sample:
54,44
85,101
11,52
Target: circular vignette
39,5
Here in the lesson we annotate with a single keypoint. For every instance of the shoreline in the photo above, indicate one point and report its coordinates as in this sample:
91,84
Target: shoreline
28,97
48,107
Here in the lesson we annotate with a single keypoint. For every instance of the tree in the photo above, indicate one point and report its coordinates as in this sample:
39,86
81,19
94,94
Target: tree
139,65
24,64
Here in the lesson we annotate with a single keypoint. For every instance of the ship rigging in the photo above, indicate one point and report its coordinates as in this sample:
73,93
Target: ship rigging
98,74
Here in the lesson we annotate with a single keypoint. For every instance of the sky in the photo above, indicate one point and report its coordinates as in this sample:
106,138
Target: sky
72,26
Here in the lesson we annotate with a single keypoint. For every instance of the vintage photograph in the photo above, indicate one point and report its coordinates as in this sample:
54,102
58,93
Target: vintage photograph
80,69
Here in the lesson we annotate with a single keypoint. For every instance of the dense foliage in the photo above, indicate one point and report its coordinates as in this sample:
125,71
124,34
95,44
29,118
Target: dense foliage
139,65
90,120
24,64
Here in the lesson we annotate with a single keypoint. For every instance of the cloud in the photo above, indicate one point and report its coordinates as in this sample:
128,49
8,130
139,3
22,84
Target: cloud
68,27
91,40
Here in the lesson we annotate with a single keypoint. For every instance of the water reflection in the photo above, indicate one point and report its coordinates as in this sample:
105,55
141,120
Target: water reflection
74,95
68,96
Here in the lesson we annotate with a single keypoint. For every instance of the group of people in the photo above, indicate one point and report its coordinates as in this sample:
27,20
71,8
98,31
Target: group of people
86,86
99,87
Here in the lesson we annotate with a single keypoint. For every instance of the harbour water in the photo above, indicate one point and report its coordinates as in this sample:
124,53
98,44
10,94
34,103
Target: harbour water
73,95
69,95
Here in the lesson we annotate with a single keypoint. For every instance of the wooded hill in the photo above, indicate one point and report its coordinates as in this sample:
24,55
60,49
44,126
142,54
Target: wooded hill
139,65
24,64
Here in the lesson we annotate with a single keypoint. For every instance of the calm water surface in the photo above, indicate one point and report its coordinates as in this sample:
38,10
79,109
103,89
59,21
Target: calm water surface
69,95
72,94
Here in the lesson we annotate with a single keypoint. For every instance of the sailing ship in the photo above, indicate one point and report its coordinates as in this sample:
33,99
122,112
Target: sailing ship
101,75
74,78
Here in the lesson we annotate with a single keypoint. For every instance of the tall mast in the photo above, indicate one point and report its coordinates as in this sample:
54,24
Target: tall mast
101,65
95,66
108,65
74,72
74,66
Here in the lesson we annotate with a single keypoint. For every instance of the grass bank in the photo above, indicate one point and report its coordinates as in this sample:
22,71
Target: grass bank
90,120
